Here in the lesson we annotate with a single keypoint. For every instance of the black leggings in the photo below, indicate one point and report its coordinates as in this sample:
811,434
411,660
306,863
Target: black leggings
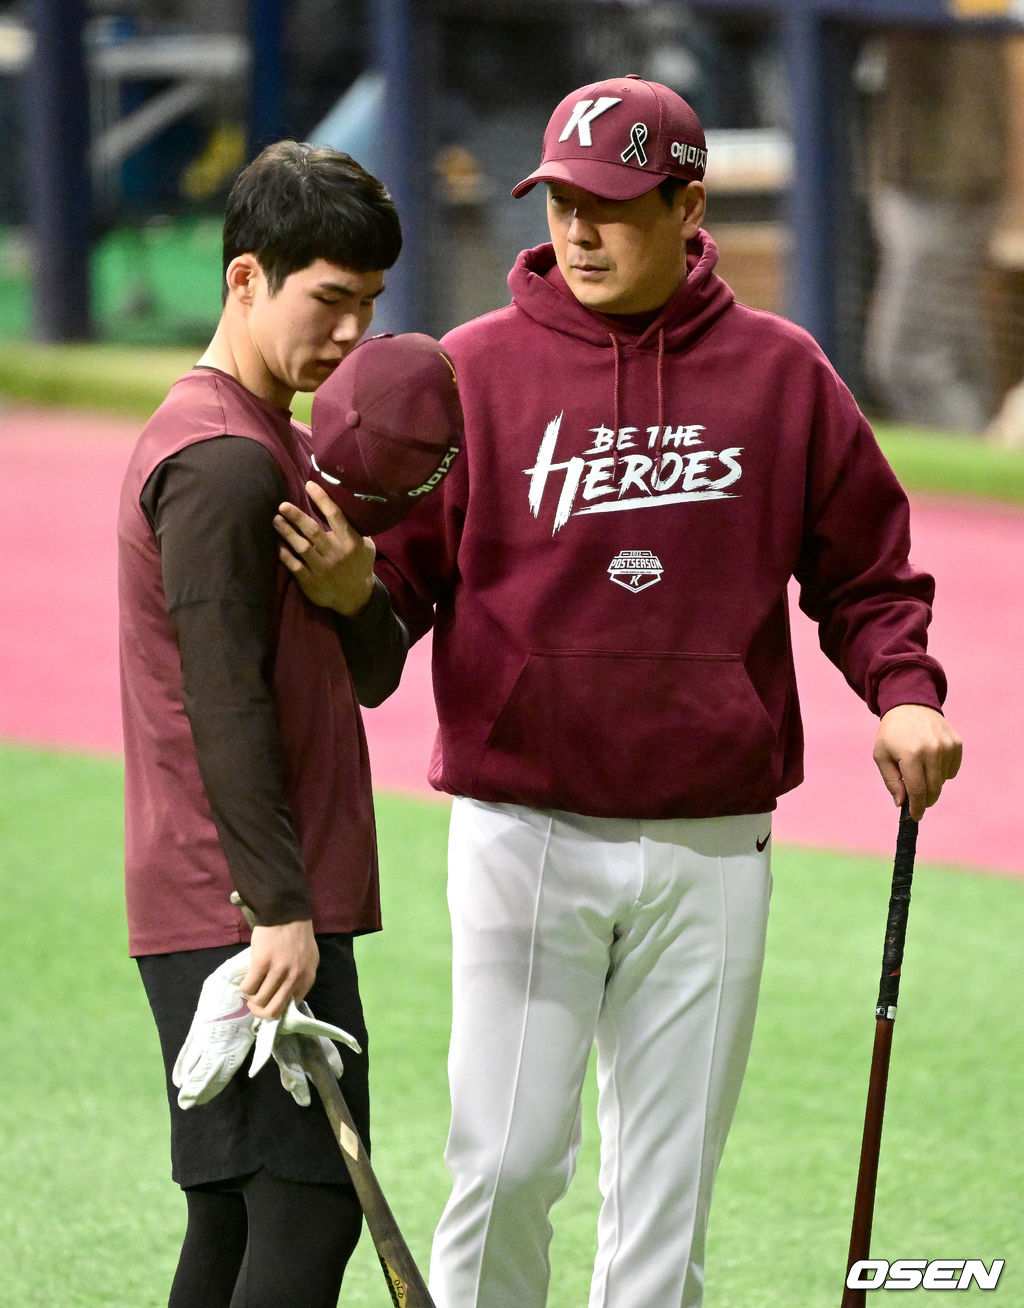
258,1242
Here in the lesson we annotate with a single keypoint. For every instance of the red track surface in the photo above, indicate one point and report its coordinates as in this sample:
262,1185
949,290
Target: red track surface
61,475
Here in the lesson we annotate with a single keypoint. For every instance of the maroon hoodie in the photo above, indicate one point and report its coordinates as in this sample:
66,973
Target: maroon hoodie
609,559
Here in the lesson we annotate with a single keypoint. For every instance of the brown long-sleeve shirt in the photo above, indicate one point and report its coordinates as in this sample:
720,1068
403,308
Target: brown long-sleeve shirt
219,575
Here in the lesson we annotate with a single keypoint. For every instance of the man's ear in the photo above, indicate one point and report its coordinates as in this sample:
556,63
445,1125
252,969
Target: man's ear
242,276
692,201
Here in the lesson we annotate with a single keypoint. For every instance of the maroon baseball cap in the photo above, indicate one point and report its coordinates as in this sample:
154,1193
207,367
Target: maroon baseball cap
619,139
386,427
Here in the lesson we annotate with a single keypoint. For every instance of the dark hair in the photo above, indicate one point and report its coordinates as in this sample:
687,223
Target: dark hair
668,187
296,202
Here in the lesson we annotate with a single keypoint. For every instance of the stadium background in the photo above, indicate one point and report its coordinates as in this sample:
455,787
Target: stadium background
126,120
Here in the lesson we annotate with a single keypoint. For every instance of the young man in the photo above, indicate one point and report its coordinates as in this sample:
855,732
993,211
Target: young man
606,573
246,763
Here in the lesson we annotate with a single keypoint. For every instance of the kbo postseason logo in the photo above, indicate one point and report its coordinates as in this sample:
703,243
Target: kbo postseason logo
635,569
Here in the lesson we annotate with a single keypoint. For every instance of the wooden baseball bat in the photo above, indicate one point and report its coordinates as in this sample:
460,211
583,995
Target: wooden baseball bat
885,1016
407,1286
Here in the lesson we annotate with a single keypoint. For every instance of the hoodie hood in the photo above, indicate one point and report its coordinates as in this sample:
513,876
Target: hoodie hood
539,290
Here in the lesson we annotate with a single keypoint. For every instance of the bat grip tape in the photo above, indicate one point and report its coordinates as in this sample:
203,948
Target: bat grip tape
899,909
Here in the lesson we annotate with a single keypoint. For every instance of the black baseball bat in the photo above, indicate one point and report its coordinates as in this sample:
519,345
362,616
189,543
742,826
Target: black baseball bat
885,1016
407,1286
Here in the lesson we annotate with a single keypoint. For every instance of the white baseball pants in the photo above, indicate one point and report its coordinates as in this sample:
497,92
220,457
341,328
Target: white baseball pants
647,937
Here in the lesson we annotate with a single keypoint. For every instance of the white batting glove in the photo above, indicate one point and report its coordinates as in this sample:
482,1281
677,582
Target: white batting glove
277,1038
288,1057
220,1037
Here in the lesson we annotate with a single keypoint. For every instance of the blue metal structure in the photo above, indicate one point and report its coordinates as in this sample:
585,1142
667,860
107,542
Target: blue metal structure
55,97
266,82
817,38
401,44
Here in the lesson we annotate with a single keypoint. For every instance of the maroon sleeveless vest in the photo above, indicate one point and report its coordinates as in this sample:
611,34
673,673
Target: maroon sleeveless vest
177,879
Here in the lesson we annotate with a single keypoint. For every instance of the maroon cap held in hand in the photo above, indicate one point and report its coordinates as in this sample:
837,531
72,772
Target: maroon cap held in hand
386,427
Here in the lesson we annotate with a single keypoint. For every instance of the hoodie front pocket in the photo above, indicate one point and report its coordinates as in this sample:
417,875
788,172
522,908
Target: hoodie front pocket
632,735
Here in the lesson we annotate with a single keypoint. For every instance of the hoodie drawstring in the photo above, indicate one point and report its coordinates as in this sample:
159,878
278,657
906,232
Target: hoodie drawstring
661,398
616,405
661,378
617,356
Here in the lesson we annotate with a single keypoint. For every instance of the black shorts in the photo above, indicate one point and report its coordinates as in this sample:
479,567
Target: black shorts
256,1123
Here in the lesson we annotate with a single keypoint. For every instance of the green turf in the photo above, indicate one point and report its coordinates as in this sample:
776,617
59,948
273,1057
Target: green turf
952,465
153,284
131,380
88,1217
155,305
